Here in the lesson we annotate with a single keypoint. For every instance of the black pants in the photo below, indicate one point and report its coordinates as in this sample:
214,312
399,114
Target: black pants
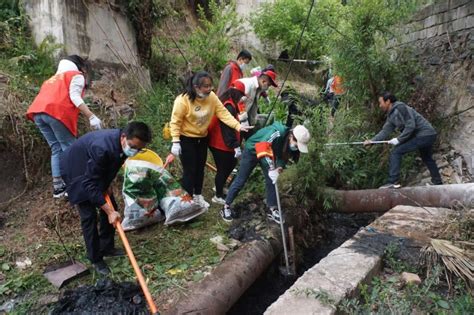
225,163
97,240
193,158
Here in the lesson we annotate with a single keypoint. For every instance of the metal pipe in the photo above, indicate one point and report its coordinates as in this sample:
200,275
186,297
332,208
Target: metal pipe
381,200
217,292
357,142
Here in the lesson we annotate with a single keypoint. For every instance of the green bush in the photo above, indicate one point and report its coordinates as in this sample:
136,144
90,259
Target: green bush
211,41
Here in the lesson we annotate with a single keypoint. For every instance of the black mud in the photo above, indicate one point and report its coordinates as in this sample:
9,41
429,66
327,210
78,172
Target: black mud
106,297
269,286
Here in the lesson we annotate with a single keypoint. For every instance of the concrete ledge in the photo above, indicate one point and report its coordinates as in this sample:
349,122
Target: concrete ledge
338,275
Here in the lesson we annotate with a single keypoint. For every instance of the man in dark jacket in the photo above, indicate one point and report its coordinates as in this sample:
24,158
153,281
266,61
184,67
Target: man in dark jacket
416,133
88,167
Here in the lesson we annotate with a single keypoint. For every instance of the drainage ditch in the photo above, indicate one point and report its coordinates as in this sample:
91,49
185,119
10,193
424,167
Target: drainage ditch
271,284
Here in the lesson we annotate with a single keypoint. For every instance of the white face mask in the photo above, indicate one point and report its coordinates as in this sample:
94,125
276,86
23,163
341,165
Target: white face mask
293,147
243,66
202,95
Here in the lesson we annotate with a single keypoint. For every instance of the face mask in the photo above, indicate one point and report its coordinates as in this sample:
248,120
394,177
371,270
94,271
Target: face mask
243,66
202,95
293,147
129,151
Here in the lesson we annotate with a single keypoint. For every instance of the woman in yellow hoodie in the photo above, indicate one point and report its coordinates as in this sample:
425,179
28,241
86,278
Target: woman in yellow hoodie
191,116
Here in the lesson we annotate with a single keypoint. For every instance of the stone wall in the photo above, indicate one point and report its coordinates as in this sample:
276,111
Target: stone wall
442,35
85,27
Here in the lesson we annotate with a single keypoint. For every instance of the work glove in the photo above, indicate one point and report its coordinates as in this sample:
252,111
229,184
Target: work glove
367,143
393,141
95,122
243,117
176,149
273,174
244,99
238,152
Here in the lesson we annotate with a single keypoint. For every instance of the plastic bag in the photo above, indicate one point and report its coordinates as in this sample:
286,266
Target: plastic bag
147,187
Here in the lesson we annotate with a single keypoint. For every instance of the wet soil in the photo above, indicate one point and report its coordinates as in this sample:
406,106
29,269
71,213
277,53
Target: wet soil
270,285
106,297
12,180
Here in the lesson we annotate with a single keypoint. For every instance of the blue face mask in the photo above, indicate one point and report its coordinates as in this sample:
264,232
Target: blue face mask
129,151
293,147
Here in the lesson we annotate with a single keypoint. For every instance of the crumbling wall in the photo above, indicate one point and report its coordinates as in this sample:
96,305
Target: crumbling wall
442,35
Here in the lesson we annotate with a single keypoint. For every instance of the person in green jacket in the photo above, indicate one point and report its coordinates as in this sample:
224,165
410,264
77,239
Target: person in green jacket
271,147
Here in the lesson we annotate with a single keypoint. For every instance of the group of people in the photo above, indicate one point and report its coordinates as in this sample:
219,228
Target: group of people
203,120
84,168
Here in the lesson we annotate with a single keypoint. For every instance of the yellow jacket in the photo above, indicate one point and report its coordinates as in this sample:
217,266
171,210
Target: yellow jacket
191,119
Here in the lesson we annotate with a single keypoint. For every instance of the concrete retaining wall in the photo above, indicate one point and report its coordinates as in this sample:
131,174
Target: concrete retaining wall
442,35
87,28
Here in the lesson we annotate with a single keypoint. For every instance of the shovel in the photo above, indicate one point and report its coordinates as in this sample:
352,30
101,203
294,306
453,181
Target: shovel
133,261
66,272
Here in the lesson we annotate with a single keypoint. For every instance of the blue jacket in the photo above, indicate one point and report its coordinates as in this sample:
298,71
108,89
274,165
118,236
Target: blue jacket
90,164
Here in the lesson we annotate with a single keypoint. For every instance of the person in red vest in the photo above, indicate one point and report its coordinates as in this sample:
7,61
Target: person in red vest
233,71
224,142
55,111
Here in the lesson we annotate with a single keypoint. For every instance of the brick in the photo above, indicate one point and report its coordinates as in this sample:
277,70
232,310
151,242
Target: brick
442,29
453,4
462,11
441,7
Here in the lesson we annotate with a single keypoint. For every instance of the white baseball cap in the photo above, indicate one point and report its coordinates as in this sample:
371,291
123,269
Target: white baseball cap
302,137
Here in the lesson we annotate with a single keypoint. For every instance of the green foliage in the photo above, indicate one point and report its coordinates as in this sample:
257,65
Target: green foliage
392,260
211,41
384,296
155,110
355,37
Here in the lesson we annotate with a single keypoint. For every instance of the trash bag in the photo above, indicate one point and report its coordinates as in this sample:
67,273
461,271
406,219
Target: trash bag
149,188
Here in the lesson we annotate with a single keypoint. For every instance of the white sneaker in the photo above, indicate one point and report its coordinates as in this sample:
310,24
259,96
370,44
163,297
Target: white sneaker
199,199
218,200
225,190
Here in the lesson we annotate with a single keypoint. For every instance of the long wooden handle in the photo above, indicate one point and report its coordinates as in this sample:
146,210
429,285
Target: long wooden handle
133,261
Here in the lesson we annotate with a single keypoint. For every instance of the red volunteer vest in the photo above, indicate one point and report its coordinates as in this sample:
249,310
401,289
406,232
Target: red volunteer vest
215,134
53,99
236,73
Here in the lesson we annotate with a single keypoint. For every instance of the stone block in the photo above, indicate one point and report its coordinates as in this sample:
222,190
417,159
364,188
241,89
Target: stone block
453,4
410,278
458,25
442,29
462,11
441,7
470,23
430,21
432,31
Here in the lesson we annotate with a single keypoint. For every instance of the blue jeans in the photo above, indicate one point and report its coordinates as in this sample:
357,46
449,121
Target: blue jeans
425,146
59,138
248,162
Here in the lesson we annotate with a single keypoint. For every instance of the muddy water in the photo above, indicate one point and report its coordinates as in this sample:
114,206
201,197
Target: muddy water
270,285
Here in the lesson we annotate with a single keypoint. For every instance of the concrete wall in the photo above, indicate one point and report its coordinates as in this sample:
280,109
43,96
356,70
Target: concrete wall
87,28
244,9
442,35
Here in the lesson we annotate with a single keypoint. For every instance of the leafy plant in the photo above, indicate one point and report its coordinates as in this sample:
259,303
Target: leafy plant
211,41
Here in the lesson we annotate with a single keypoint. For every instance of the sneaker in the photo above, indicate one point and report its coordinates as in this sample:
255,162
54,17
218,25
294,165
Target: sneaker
225,190
218,200
114,252
199,199
274,215
101,268
390,186
226,214
60,192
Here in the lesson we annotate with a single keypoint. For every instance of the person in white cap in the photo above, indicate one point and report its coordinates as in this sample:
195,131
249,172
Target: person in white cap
271,147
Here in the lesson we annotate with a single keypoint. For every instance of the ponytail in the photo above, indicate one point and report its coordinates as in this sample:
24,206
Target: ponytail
195,80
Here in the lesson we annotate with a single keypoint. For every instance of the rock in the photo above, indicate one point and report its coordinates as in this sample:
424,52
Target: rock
48,299
442,164
222,248
217,240
410,278
23,264
448,171
457,163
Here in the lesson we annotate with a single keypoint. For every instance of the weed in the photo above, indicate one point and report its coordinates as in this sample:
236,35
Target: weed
322,295
392,260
